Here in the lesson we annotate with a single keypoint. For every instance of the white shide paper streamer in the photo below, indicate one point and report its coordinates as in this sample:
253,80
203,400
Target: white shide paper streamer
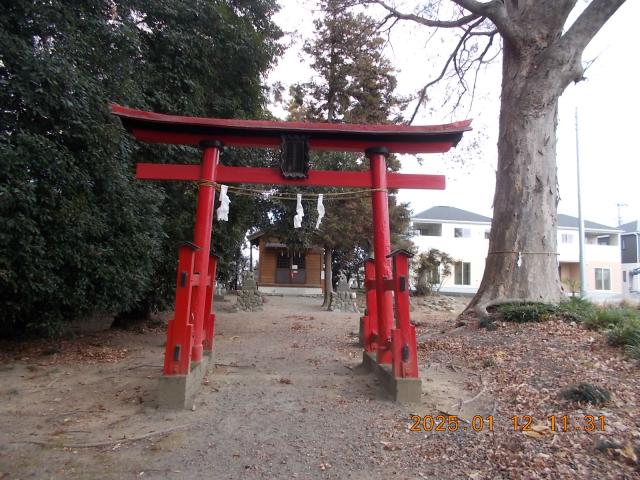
297,220
222,212
320,211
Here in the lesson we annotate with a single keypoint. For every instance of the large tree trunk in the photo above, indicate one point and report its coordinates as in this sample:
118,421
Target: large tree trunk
522,260
328,276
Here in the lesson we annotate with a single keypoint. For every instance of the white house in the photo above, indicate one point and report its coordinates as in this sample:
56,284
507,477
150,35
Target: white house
465,236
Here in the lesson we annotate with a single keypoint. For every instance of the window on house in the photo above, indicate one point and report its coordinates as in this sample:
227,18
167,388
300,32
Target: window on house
624,276
431,230
624,243
604,240
462,273
487,234
567,238
603,279
461,232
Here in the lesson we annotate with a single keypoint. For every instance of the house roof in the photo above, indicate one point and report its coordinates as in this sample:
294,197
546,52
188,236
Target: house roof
567,221
630,227
457,215
451,214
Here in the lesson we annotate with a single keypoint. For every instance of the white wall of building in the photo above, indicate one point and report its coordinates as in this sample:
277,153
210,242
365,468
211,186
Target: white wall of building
472,249
569,250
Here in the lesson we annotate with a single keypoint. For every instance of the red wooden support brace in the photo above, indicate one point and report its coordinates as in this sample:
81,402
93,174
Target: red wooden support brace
209,316
177,356
405,359
370,320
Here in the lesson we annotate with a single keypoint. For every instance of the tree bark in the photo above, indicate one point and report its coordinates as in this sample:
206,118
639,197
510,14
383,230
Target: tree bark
328,276
522,262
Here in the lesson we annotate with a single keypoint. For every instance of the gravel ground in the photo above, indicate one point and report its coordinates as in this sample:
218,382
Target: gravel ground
287,398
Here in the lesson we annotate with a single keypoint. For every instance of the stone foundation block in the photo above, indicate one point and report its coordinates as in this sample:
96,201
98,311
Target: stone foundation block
402,390
178,392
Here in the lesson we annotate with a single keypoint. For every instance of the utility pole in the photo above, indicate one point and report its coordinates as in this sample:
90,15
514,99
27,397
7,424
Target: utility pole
583,272
620,205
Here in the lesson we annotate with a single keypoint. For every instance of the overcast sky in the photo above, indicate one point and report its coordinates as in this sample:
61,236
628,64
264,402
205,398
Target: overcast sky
608,103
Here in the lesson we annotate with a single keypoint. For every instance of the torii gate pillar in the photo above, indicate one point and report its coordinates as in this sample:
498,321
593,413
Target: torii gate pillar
202,238
190,332
381,249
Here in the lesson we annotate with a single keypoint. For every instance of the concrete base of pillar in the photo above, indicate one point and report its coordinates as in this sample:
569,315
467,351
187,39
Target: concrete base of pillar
178,392
402,390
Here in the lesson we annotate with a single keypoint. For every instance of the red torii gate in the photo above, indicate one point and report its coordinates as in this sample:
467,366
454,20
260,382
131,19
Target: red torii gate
191,331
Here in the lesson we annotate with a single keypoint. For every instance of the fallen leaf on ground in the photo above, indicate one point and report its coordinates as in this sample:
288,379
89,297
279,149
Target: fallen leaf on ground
390,446
539,430
629,453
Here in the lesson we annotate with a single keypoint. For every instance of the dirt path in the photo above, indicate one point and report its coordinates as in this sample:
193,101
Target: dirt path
287,399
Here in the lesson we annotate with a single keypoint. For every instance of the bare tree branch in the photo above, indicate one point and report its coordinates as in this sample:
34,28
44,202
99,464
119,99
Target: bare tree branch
480,60
479,8
489,33
423,91
496,12
588,24
460,22
467,60
463,58
384,21
451,59
565,55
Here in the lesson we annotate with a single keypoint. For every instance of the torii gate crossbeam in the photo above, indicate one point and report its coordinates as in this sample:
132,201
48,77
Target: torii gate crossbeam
273,176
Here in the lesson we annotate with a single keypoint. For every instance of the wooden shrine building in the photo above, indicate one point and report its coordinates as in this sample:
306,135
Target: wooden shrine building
282,270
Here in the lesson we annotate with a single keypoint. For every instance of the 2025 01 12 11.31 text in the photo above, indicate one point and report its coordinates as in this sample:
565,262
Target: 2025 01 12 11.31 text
450,423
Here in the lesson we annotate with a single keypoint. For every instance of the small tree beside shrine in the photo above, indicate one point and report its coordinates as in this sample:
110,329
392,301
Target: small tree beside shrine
431,268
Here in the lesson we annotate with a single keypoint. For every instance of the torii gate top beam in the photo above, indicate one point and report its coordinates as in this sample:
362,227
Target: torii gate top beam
173,129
